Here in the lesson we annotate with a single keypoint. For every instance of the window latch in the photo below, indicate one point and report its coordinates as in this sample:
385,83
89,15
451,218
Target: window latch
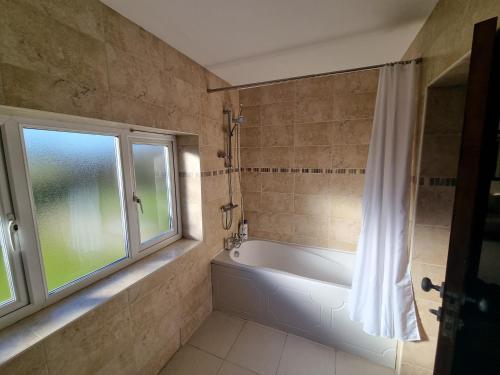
139,202
12,228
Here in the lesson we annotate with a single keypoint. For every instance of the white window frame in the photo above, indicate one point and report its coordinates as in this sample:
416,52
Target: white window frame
9,242
169,142
37,296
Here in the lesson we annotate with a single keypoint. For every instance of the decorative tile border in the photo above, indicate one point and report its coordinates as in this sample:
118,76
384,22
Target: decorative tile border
349,171
423,180
216,172
437,181
336,171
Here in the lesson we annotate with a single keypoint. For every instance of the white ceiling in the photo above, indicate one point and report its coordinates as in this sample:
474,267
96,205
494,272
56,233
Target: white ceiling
255,40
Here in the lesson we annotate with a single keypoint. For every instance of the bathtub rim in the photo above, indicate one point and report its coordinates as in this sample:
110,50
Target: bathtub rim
223,258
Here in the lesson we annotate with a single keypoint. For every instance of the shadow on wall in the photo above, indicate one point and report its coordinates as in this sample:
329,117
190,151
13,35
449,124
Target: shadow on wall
190,186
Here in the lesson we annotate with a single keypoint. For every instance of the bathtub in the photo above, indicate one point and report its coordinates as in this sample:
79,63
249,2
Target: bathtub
298,289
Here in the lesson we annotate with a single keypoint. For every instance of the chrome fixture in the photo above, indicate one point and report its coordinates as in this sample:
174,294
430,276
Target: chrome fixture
230,131
316,75
233,241
232,128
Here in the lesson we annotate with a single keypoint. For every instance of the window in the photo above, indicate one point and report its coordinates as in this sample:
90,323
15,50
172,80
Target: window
77,192
7,290
153,195
5,286
12,286
79,201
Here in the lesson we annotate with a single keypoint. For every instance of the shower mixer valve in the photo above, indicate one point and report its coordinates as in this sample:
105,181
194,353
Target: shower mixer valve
228,207
233,241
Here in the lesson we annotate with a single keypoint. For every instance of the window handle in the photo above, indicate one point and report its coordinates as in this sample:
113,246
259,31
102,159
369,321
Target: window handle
139,202
12,227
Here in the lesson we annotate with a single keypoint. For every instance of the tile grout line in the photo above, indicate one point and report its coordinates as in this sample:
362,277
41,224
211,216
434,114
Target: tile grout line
220,367
245,322
429,264
282,352
239,334
237,337
334,361
231,347
241,366
201,350
224,359
204,351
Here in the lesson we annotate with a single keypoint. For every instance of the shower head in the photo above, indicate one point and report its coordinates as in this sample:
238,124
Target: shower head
240,120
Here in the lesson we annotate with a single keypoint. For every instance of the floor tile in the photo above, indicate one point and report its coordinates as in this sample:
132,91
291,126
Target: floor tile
231,369
192,361
217,334
258,348
348,364
304,357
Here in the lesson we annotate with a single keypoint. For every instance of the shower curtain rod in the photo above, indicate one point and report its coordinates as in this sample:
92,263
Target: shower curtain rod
281,80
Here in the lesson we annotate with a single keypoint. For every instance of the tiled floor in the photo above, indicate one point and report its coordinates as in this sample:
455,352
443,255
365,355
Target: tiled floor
227,345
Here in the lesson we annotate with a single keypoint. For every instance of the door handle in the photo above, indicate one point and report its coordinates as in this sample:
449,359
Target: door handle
437,312
481,303
427,286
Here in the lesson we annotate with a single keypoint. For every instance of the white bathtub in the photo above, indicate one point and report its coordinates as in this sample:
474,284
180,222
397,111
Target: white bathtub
301,290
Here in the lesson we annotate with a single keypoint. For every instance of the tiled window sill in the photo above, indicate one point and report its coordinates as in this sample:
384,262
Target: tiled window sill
24,334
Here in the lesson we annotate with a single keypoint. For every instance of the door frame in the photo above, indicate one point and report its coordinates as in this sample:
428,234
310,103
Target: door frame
476,165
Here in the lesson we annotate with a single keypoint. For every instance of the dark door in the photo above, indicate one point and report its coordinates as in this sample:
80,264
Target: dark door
469,333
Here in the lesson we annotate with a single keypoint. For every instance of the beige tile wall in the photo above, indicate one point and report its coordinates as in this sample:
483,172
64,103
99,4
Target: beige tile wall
133,333
434,206
445,37
322,123
188,152
81,58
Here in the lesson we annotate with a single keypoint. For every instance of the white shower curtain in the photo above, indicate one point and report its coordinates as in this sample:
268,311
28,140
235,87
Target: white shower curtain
382,294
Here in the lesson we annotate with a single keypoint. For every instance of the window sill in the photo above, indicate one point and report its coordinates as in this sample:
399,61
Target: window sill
22,335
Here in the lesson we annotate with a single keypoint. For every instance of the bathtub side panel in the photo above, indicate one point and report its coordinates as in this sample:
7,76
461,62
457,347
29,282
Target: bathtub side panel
236,291
307,308
349,336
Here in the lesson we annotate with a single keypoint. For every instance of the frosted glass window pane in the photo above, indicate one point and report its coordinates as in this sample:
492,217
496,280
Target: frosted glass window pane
76,186
152,185
5,289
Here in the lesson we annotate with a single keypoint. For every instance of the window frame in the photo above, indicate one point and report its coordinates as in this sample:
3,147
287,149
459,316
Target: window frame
90,130
9,241
12,124
169,142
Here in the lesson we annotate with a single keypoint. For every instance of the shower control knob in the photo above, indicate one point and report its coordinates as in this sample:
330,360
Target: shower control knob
427,286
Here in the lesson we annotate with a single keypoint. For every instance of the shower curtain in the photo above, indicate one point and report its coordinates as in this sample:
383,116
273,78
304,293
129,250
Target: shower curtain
382,293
